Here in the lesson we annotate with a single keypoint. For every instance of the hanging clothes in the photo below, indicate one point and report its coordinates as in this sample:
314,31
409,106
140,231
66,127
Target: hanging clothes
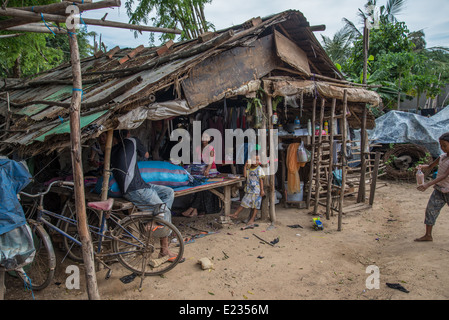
293,165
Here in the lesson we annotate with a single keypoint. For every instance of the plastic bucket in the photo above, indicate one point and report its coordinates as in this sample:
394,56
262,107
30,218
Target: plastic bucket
297,196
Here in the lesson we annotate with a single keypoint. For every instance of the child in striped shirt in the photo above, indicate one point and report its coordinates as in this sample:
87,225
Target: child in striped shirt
440,194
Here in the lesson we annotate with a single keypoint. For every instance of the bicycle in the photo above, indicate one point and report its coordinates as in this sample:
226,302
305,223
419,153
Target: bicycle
139,241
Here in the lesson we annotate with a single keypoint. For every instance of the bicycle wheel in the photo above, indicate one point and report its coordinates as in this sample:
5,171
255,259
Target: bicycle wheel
41,271
140,242
73,250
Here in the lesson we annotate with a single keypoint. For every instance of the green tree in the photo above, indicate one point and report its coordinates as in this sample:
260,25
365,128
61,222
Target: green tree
398,59
187,15
36,52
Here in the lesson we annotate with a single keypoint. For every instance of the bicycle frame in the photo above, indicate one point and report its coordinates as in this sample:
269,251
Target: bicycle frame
92,229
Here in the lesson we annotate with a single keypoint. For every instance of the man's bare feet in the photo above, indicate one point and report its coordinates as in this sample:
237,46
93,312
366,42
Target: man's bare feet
424,238
194,213
187,213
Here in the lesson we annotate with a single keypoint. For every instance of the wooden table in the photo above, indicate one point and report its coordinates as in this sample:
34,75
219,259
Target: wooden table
225,196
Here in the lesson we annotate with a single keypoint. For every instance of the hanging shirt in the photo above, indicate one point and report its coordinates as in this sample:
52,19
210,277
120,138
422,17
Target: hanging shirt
124,164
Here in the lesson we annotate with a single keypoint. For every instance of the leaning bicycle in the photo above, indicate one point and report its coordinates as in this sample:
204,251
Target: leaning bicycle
142,242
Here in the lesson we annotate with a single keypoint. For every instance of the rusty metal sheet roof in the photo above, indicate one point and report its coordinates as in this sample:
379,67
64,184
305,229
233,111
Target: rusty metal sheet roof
113,85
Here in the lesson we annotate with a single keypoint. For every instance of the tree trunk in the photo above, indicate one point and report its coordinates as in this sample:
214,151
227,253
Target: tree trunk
365,52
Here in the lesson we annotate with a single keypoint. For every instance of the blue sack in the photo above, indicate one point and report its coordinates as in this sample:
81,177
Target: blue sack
154,172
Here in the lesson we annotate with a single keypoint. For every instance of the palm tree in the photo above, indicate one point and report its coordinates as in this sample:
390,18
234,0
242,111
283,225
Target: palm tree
338,47
387,13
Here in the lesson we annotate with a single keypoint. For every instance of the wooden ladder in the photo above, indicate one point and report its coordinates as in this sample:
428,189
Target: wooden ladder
322,161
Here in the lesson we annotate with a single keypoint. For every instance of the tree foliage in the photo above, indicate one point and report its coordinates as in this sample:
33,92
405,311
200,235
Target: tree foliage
187,15
36,52
398,59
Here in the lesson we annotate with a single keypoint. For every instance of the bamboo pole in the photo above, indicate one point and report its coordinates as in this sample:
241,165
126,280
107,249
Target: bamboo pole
374,175
2,283
319,157
37,27
78,176
362,187
60,7
272,172
331,156
343,159
31,16
312,158
107,166
13,35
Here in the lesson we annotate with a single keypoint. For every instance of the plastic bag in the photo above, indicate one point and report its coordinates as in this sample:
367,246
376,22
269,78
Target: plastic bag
17,248
302,154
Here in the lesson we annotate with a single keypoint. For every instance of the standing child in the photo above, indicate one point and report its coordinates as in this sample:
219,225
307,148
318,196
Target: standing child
254,192
440,194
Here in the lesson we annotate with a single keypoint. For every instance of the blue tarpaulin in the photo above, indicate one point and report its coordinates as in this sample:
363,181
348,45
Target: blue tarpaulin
405,127
13,178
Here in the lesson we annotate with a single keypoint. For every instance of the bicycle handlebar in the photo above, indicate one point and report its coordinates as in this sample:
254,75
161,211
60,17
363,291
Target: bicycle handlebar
58,183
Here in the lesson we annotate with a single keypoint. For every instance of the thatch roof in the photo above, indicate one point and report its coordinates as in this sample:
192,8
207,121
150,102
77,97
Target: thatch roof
123,87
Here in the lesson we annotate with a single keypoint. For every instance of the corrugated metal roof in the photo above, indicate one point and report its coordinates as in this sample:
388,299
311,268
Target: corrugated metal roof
64,127
35,125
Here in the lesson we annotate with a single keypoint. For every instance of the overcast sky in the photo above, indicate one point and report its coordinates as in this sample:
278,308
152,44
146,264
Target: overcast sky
430,15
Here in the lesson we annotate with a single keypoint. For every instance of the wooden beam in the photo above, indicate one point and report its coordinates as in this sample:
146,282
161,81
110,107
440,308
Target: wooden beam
272,172
363,144
331,158
343,159
12,35
60,7
320,27
37,27
319,157
8,12
78,175
309,194
374,175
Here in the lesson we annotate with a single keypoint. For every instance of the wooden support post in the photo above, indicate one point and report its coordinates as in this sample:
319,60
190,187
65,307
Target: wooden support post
363,134
107,166
78,176
374,175
343,159
272,172
265,206
312,158
331,158
319,158
227,200
2,284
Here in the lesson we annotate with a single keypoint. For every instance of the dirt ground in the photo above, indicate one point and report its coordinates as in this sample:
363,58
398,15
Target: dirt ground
304,265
